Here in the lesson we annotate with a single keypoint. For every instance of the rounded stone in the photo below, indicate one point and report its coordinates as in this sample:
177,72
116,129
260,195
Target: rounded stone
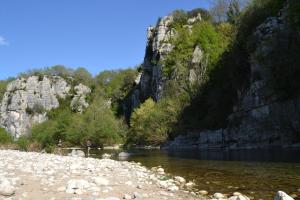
203,192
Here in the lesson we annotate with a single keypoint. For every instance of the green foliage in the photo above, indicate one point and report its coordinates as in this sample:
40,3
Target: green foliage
176,61
81,75
254,15
205,35
151,123
49,132
205,15
36,109
233,12
22,143
3,86
180,18
5,137
116,85
97,123
294,14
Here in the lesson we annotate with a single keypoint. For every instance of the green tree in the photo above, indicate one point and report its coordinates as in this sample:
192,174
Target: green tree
151,123
233,12
81,75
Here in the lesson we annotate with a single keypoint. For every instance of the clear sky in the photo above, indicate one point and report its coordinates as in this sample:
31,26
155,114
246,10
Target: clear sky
95,34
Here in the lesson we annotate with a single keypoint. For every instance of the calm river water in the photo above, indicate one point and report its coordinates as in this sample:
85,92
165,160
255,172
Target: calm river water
255,173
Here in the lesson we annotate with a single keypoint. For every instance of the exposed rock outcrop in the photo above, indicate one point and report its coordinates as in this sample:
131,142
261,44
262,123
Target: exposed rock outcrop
27,101
79,102
260,118
151,81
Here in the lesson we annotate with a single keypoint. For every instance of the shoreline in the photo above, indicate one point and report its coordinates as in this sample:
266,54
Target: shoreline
31,175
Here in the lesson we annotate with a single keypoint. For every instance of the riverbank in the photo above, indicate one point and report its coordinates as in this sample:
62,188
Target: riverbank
26,175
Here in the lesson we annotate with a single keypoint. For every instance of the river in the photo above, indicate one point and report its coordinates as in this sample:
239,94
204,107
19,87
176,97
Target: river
256,173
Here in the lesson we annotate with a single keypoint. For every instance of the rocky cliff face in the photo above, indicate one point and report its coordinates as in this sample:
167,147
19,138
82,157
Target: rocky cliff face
259,119
151,81
27,101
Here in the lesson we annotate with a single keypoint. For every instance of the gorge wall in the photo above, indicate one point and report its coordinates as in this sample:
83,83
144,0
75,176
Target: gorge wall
151,81
27,101
260,117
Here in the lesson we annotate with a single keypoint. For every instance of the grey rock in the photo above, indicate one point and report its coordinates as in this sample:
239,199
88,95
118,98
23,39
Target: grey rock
123,155
112,198
218,196
6,189
77,153
79,102
27,100
282,196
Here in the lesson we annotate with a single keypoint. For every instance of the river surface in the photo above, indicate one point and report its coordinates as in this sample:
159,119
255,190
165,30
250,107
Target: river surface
255,173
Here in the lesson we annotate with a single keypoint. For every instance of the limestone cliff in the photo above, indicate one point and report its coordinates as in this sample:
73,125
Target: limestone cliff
27,100
259,118
151,81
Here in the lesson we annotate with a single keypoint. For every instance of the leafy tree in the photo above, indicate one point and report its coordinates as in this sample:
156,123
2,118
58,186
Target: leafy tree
81,75
151,123
180,17
205,15
233,12
219,9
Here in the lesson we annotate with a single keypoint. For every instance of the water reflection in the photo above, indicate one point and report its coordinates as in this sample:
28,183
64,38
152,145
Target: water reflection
256,173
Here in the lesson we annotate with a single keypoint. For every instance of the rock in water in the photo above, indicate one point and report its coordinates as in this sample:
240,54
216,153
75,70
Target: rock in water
123,155
282,196
6,189
77,153
106,156
218,196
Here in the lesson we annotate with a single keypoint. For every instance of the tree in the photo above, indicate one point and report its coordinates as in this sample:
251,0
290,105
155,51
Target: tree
219,9
152,123
81,75
233,12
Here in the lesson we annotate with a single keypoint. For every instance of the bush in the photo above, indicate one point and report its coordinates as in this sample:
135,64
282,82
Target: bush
36,109
180,17
97,123
151,123
5,137
22,143
205,15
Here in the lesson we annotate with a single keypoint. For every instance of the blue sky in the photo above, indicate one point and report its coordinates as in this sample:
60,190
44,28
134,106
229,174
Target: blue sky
95,34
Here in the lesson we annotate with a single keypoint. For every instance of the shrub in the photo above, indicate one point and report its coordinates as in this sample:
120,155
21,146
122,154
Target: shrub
151,123
36,109
22,143
5,137
180,18
205,15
